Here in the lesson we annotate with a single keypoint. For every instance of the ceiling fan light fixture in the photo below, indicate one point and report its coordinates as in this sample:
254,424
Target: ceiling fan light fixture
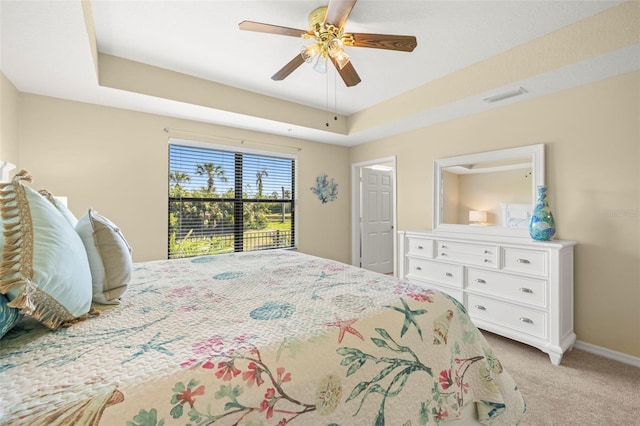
309,52
321,64
340,57
336,44
336,51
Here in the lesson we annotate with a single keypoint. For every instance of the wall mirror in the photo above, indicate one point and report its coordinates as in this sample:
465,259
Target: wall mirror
491,192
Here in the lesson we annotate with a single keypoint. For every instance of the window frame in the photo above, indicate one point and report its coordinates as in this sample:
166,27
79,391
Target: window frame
238,152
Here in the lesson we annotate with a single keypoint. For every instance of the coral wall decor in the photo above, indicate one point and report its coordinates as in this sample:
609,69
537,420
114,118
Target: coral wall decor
326,189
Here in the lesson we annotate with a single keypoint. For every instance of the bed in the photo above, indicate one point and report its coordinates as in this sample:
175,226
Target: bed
260,338
274,337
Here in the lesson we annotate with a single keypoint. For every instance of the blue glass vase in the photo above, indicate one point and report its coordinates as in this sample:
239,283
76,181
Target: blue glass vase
542,225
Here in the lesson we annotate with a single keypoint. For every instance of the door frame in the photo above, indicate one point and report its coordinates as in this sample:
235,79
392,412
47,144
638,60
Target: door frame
356,195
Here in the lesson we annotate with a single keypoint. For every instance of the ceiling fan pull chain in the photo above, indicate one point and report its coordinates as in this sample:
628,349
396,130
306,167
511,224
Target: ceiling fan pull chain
327,94
335,97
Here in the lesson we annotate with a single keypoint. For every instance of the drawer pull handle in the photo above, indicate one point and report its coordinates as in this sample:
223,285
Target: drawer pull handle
487,261
448,274
487,252
418,268
443,254
480,280
482,308
526,290
527,320
443,246
523,261
420,247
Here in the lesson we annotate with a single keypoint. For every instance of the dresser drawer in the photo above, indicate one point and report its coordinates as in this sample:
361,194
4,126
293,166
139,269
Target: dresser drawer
420,246
524,290
525,261
529,321
475,254
438,272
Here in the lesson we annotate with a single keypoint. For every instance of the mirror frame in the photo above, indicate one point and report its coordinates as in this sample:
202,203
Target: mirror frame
536,152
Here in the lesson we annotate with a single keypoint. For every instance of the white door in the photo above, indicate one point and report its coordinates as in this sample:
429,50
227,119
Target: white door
377,220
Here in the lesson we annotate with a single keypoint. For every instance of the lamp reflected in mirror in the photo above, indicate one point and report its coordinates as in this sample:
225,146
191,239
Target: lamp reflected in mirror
477,217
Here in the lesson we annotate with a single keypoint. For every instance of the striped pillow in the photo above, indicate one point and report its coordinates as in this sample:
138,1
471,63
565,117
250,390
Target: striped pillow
109,256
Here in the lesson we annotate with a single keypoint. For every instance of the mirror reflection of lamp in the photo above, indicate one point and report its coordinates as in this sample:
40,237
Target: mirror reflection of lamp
477,217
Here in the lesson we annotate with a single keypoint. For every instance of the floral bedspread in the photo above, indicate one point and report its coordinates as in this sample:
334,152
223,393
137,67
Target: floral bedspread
267,338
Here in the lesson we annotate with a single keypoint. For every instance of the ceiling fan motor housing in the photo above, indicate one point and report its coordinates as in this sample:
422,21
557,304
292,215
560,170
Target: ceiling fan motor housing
324,33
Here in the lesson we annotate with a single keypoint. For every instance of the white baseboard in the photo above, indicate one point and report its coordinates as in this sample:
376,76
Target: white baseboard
607,353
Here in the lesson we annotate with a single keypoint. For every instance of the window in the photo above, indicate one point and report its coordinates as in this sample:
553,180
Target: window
229,201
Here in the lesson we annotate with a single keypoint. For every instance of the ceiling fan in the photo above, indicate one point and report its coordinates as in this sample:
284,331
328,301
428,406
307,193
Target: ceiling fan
326,29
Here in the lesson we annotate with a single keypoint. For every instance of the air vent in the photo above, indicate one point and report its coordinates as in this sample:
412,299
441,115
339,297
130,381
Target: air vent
505,95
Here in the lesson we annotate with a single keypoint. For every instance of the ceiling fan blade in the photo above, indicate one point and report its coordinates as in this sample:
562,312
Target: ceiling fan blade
270,29
385,41
288,69
338,11
348,73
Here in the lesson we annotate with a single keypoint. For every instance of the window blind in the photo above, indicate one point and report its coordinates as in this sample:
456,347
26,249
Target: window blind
229,201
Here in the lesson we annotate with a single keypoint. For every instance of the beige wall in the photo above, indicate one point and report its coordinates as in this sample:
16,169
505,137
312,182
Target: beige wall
8,121
592,140
115,161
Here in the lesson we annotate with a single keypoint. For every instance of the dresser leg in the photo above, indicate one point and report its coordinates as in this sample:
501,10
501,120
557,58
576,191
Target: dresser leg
555,358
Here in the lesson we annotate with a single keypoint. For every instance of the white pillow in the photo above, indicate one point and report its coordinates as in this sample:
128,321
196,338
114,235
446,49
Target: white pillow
44,271
109,257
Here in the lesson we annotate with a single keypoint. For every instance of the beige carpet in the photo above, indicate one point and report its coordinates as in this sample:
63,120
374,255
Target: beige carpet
585,389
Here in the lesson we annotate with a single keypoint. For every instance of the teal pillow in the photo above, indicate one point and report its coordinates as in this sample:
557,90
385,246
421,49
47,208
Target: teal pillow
8,316
44,270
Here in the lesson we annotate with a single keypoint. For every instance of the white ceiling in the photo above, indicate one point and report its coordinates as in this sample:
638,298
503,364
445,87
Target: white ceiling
46,50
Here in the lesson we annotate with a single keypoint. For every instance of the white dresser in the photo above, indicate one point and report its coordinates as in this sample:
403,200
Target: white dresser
515,287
